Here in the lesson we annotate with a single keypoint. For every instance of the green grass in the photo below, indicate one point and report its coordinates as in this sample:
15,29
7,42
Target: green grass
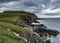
13,27
8,37
13,16
5,32
7,20
12,19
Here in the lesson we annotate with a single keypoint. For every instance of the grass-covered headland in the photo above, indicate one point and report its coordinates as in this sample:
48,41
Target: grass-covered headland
17,27
8,19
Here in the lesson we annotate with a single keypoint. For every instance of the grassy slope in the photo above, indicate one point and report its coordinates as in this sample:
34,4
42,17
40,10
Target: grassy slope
12,16
6,22
8,37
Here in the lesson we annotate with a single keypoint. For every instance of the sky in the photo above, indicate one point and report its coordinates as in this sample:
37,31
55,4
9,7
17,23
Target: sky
42,8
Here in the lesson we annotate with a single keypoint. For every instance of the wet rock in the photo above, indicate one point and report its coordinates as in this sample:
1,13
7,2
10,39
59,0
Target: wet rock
41,28
49,31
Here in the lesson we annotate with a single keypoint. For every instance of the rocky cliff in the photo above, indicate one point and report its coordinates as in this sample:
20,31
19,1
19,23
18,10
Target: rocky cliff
16,27
12,27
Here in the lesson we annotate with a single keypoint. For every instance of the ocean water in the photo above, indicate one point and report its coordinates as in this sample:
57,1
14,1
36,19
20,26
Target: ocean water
54,24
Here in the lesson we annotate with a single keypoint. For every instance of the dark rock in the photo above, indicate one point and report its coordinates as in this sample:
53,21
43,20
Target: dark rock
49,31
27,20
48,41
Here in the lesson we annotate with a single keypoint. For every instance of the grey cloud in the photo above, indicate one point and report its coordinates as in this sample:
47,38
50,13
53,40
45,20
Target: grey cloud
3,1
34,6
46,2
50,14
29,4
55,3
24,4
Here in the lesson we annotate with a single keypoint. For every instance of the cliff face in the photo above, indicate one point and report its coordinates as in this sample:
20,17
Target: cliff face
13,27
25,20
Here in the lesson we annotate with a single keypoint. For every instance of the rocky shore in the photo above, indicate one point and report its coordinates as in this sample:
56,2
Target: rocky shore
23,27
43,29
39,32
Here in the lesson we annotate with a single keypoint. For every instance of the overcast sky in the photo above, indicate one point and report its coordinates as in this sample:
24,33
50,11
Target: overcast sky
42,8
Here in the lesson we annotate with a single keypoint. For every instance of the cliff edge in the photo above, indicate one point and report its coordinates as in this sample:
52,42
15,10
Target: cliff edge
16,27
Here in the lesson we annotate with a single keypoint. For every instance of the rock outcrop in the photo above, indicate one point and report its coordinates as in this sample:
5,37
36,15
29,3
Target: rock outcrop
41,30
17,26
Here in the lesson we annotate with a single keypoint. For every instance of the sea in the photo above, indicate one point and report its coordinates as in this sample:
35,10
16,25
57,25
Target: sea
54,24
